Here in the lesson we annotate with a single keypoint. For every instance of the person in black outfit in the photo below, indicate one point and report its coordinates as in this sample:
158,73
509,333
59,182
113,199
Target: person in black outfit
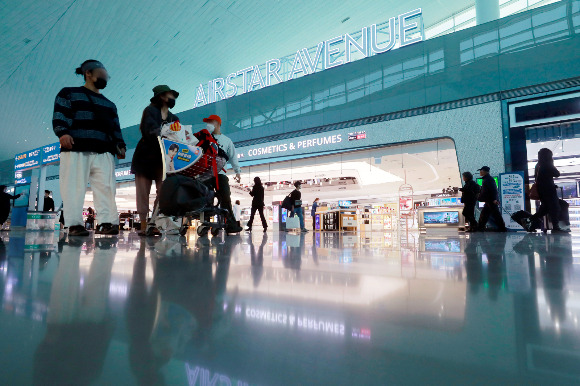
5,204
544,175
296,197
147,164
257,204
48,202
469,194
489,195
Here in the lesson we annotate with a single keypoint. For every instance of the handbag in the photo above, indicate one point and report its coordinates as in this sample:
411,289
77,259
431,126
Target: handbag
534,195
293,223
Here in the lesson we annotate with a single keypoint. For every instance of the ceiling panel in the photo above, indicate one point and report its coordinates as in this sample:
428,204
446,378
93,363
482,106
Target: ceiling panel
143,43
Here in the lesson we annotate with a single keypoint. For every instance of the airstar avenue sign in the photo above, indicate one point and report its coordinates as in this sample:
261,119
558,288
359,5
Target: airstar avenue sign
327,54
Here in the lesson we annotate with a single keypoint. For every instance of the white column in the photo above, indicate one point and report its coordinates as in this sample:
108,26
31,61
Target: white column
486,10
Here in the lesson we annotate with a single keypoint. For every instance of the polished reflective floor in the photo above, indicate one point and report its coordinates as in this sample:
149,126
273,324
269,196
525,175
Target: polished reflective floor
286,309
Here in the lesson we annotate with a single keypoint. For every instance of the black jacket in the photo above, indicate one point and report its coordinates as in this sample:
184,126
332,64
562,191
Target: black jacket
296,196
48,204
469,192
147,157
544,175
5,203
488,190
258,196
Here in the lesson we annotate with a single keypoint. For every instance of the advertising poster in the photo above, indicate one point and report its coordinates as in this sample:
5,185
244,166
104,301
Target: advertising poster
178,156
512,197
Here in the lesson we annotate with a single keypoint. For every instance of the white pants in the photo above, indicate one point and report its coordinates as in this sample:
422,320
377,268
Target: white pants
78,169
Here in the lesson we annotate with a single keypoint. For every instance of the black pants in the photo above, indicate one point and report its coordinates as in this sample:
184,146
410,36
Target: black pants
469,214
491,210
314,223
549,205
253,213
224,195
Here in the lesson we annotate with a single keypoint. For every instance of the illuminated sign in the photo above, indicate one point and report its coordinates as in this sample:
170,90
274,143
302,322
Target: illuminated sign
51,153
328,55
299,145
27,160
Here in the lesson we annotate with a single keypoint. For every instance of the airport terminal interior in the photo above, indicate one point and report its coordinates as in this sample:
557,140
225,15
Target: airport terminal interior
372,112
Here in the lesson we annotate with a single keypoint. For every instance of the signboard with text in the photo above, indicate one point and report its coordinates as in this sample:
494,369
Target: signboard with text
27,160
512,197
51,153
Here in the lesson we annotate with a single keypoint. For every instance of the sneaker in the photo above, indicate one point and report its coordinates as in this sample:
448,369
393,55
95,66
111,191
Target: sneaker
78,230
304,230
559,230
107,229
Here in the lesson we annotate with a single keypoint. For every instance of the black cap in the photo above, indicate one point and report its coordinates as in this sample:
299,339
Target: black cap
484,168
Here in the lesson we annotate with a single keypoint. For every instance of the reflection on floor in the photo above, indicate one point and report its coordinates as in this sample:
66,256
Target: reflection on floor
285,309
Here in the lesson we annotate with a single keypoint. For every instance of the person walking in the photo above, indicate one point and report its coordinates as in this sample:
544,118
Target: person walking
544,174
237,212
48,202
296,197
489,195
89,132
147,162
257,204
5,204
469,194
313,213
214,124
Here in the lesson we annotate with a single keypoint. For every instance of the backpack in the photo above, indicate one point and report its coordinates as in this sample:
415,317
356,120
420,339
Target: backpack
287,203
211,150
179,195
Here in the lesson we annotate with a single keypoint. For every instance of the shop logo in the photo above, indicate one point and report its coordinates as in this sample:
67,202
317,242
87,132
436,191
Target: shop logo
357,135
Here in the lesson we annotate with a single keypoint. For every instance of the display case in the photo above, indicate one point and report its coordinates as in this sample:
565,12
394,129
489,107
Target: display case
340,219
574,210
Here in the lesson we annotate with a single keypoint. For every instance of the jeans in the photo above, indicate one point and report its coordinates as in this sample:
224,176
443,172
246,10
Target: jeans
298,212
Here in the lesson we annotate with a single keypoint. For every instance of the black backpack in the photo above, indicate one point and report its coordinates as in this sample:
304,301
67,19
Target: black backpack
179,195
287,203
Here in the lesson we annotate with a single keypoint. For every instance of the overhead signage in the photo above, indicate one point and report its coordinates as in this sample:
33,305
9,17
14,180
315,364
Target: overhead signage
51,153
512,197
328,54
344,203
27,160
19,179
300,144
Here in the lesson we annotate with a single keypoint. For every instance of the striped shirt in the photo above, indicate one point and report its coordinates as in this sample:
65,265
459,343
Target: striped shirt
88,117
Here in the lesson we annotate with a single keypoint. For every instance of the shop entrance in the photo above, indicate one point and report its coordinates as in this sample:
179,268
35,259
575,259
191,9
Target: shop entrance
359,179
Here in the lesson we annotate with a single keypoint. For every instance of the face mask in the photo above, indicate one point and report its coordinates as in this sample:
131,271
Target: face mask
101,83
210,127
171,103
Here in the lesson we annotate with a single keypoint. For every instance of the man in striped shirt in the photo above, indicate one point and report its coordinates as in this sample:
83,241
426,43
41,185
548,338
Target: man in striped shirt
90,136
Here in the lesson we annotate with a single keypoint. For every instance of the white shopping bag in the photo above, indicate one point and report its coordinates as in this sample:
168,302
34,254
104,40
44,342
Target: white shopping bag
293,223
175,131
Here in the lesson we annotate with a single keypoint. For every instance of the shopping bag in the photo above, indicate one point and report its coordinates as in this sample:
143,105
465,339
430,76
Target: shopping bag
293,223
293,241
